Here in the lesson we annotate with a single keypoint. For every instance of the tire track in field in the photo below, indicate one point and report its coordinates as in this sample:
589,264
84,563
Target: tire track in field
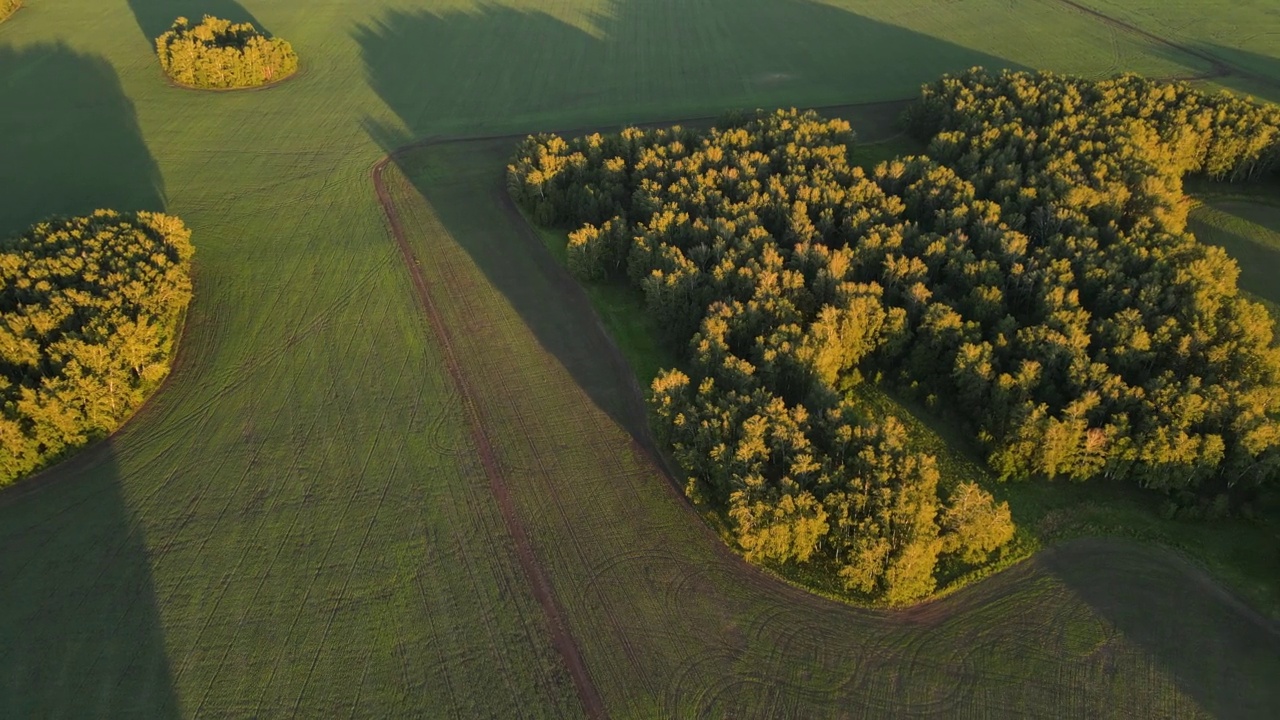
466,300
471,499
266,688
1220,68
561,638
530,436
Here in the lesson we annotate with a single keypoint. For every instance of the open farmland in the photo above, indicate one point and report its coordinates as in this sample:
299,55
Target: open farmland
1244,36
638,576
300,522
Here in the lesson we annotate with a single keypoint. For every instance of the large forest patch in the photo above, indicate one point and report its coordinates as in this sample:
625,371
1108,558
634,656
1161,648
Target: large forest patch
298,526
638,574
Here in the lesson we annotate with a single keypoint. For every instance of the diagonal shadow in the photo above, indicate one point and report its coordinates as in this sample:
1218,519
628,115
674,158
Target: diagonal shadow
80,634
1257,261
1231,676
69,139
154,17
498,62
79,625
1254,74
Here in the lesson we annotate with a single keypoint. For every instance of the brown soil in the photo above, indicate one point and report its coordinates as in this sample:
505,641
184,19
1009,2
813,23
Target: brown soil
561,638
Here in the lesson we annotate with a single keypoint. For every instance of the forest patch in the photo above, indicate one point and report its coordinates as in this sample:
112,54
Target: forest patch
1033,275
221,55
90,310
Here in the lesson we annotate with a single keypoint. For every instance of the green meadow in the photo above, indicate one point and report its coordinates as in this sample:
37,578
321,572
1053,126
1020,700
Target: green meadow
302,521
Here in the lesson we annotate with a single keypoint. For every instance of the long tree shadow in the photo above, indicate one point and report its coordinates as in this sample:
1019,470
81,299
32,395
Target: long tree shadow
79,628
456,69
79,625
1222,653
451,74
69,139
154,17
1252,73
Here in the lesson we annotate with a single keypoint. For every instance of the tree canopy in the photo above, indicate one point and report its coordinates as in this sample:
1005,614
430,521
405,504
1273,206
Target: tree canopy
217,54
1034,275
8,7
89,313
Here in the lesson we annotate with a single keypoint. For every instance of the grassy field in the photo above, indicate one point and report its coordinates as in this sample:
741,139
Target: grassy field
298,523
1244,35
1074,631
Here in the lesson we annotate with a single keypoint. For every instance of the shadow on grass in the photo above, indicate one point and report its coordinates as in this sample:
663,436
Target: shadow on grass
1223,654
1252,73
1258,262
80,632
438,69
154,17
78,620
69,139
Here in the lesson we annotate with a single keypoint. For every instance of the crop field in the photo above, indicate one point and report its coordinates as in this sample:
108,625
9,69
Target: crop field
638,576
338,507
1250,232
1243,36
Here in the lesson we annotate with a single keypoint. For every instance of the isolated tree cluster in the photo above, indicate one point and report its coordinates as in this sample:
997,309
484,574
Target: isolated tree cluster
89,312
8,7
1034,277
219,54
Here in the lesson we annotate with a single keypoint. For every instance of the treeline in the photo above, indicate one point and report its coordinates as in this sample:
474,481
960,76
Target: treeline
89,312
8,7
1092,335
218,54
1035,277
717,229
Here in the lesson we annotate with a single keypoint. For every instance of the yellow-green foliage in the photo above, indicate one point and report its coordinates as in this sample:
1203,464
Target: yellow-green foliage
8,7
217,54
89,311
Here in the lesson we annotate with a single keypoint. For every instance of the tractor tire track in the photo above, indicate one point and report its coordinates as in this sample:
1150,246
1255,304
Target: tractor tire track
1220,68
540,585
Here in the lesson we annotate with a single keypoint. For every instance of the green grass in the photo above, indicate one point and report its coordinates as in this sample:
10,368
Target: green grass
1243,35
673,624
296,524
1250,232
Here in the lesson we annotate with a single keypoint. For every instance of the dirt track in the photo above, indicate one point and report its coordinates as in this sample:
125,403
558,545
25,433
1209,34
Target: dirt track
541,587
568,291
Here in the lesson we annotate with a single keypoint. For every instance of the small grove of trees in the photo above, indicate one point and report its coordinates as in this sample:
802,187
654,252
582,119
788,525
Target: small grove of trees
8,7
89,314
1035,275
217,54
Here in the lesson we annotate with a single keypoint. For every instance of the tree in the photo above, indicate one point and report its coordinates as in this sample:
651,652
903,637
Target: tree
89,311
219,54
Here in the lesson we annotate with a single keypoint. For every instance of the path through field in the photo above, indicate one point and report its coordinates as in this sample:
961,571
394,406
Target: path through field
640,577
304,521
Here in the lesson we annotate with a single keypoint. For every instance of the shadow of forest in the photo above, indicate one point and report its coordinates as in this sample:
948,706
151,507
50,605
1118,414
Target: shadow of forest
1233,676
79,627
1258,75
69,139
154,17
78,619
422,64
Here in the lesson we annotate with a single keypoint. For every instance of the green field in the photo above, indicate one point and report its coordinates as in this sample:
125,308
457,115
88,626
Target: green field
299,524
1249,231
639,576
1243,36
